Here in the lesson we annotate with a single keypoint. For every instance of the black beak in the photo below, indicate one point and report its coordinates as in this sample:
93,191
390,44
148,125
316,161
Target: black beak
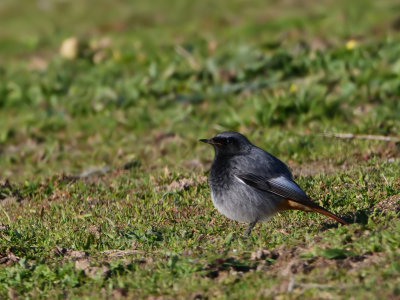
210,141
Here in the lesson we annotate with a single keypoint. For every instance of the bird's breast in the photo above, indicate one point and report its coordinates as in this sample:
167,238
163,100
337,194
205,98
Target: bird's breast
220,178
237,200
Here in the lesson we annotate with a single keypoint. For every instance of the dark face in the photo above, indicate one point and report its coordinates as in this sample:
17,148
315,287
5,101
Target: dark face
229,143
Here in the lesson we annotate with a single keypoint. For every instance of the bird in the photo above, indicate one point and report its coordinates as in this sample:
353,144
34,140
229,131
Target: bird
250,185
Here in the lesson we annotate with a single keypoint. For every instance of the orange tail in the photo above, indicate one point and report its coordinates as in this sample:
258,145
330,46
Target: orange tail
327,213
311,206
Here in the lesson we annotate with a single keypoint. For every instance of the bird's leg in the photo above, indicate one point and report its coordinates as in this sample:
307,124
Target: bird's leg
249,228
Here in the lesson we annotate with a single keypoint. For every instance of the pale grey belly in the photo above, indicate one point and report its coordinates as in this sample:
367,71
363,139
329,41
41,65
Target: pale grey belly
243,203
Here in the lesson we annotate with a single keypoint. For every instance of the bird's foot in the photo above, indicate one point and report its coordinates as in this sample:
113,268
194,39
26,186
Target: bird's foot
248,229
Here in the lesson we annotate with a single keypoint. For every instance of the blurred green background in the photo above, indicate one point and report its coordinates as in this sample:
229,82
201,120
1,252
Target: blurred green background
83,80
29,27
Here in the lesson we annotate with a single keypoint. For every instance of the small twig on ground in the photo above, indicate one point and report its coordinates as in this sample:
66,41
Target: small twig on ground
320,286
291,285
94,171
351,136
118,253
384,177
189,57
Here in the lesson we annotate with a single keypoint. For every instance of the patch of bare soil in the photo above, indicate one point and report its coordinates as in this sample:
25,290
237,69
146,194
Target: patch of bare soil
389,204
8,258
386,152
79,254
285,263
316,167
220,268
69,253
185,183
89,264
288,261
92,271
181,184
8,193
286,270
119,293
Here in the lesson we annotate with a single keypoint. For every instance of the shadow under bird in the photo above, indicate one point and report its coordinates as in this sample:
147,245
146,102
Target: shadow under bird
251,185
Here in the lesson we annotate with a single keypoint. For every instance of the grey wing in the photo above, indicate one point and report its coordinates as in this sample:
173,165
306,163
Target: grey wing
264,164
281,186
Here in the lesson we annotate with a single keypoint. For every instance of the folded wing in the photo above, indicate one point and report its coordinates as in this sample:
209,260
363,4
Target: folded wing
294,197
281,186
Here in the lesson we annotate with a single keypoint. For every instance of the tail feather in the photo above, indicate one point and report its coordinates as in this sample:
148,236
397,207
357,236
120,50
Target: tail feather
309,207
327,213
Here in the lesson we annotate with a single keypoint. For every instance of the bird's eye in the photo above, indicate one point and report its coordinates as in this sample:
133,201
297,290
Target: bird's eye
229,141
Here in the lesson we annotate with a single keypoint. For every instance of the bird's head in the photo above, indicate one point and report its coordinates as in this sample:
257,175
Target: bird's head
229,143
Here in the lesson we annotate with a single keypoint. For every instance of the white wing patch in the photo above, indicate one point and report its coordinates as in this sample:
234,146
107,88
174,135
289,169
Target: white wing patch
240,180
287,185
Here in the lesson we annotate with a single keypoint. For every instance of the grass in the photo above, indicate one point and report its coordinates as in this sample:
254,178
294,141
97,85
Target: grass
103,189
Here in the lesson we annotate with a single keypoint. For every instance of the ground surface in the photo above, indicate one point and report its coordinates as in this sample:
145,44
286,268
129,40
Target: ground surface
103,185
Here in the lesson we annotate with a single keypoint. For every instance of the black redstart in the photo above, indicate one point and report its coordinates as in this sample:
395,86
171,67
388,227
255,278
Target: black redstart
250,185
